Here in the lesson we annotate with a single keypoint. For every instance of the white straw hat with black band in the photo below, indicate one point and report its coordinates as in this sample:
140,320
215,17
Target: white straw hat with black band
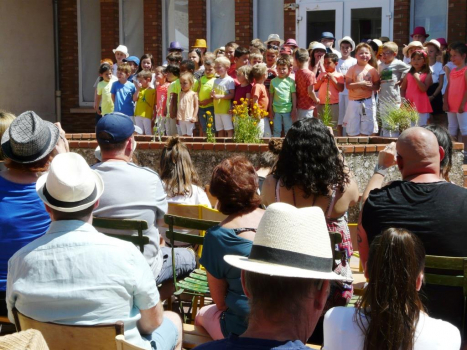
290,242
70,185
29,138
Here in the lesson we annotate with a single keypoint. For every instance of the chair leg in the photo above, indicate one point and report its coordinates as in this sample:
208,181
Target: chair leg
194,309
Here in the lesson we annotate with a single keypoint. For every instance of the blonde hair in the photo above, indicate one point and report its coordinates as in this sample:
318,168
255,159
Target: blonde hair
125,68
258,71
224,61
390,45
159,69
274,51
187,76
245,70
6,118
255,55
209,56
145,74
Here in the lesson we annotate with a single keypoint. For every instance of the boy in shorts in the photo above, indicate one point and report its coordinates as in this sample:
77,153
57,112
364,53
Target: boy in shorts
222,93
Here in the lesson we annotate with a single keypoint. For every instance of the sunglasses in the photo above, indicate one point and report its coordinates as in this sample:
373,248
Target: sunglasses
274,47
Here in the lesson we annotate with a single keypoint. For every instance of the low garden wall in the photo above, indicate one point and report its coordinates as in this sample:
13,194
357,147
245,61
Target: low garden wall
361,154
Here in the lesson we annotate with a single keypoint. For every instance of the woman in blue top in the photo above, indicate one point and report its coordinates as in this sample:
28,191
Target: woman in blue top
235,184
29,144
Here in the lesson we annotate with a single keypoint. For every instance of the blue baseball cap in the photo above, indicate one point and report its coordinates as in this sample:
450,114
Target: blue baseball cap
132,59
325,35
117,125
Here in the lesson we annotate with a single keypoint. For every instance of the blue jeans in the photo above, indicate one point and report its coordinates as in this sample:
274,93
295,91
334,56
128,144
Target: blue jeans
164,337
204,121
185,262
280,118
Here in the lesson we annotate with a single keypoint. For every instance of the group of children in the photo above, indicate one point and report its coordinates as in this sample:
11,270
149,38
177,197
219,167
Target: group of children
291,84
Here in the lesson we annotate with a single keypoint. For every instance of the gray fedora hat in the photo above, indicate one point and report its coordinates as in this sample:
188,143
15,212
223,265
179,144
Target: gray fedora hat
29,138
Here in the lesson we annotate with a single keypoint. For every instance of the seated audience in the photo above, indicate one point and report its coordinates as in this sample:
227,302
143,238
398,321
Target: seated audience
28,145
75,275
134,192
235,184
431,208
311,172
5,120
286,280
390,314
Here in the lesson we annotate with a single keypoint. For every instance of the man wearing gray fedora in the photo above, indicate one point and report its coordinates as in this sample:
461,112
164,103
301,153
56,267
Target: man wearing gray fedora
286,279
77,276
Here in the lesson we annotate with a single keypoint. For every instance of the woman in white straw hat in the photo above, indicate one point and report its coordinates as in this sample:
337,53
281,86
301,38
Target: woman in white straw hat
286,278
29,145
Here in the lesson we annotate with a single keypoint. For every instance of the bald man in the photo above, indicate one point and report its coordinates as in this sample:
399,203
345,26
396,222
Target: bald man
433,209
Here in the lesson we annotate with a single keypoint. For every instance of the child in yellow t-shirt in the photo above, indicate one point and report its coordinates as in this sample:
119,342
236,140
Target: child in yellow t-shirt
144,97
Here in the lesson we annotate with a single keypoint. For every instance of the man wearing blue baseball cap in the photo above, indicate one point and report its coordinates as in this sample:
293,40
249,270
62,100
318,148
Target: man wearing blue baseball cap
327,39
134,192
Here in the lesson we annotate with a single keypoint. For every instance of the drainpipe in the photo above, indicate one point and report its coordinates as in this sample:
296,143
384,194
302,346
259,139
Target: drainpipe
58,93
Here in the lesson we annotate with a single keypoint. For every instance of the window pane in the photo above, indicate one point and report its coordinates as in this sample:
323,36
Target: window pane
432,15
177,22
222,23
90,46
366,24
270,18
318,22
133,27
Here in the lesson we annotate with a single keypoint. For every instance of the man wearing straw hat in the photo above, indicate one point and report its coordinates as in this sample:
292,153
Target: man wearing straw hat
286,279
77,276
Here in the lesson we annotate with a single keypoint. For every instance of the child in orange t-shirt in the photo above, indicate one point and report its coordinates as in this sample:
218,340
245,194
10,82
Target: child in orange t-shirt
362,80
329,84
259,94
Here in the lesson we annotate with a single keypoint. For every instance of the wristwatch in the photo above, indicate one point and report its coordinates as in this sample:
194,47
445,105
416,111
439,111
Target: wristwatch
379,169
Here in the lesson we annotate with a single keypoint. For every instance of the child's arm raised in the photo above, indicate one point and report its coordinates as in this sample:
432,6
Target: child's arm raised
423,86
319,82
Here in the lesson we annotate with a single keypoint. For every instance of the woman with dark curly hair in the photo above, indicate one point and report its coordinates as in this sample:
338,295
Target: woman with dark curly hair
310,171
235,184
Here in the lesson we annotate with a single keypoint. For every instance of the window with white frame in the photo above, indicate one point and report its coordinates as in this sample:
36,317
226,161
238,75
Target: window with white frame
89,48
132,26
174,23
433,15
268,18
220,22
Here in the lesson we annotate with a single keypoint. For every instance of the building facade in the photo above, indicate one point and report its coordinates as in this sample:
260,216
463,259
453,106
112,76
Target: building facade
88,30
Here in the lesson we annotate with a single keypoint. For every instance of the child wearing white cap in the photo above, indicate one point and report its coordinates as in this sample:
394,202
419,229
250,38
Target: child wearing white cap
121,52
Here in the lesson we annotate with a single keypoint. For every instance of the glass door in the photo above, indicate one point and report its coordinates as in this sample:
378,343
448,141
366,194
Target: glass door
316,18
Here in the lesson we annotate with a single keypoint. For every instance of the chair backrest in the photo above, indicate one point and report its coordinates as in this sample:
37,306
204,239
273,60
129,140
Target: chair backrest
122,344
448,263
59,336
127,225
173,221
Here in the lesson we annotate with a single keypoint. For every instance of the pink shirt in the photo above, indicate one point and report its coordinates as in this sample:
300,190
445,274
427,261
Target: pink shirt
303,79
456,90
333,92
416,96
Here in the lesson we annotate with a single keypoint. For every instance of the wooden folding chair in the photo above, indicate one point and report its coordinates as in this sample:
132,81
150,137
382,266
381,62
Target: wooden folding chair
72,337
122,344
127,225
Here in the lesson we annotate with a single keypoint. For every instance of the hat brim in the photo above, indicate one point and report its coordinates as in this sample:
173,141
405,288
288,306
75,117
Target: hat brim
8,152
126,53
351,42
265,268
99,187
426,35
280,41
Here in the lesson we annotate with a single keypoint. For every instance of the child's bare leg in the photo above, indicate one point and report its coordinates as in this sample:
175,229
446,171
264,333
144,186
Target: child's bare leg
340,130
230,133
221,133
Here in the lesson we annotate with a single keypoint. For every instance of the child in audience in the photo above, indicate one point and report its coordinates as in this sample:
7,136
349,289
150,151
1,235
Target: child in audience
174,58
120,52
104,97
133,61
122,91
146,62
272,53
144,98
242,56
391,72
259,95
362,80
222,93
255,58
347,46
187,112
243,89
455,99
416,84
304,80
329,83
433,50
230,48
205,99
161,94
282,102
196,57
172,74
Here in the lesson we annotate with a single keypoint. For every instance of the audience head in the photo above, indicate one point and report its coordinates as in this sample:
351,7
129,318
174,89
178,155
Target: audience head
317,51
419,34
418,152
258,72
221,65
302,56
419,62
235,184
364,48
146,62
241,56
330,62
105,71
29,143
269,158
258,44
444,141
230,48
124,68
346,46
6,119
271,56
389,52
71,189
209,70
197,57
161,75
187,66
255,58
219,52
174,58
391,304
177,171
172,72
458,53
244,72
280,268
114,134
310,159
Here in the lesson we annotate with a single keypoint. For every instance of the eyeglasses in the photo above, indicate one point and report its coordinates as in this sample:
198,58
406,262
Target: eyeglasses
274,47
387,53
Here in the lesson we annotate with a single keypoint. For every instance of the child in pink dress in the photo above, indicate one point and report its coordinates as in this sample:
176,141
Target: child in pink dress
416,84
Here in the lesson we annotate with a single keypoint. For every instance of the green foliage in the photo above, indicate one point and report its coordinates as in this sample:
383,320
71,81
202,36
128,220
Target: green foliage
326,116
395,118
246,121
210,136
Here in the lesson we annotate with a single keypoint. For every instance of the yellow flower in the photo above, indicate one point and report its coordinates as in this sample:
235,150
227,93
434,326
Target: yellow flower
254,123
208,113
242,99
266,114
270,122
233,119
209,125
235,102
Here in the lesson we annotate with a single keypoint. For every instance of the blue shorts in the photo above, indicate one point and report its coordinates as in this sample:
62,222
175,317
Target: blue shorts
164,337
